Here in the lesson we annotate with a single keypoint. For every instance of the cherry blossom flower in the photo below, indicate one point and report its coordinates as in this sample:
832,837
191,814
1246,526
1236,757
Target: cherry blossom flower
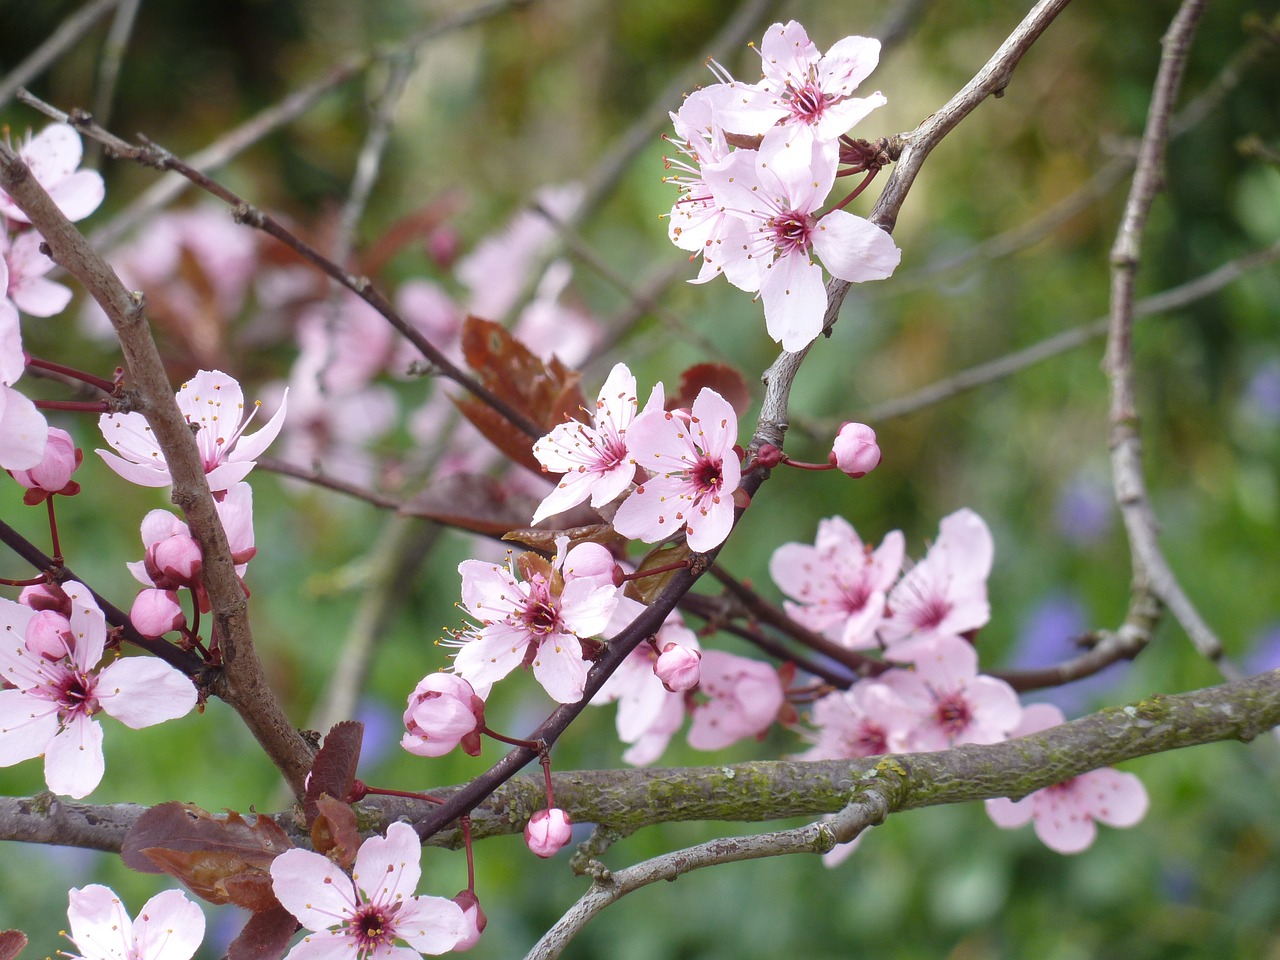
52,705
53,473
803,91
945,594
1065,814
855,451
443,712
23,430
777,192
210,401
944,701
744,698
840,583
473,917
539,620
169,926
53,155
695,473
548,831
862,721
648,713
362,916
156,612
678,667
593,458
26,286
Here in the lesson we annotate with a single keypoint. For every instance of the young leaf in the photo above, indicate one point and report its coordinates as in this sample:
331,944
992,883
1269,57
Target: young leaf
11,943
265,936
723,379
333,772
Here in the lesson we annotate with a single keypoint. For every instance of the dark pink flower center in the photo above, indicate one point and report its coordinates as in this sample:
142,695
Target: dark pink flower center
790,231
372,927
807,102
708,477
869,741
953,714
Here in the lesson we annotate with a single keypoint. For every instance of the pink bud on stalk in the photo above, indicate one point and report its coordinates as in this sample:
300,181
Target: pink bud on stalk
53,473
855,451
474,919
678,667
547,831
156,612
443,712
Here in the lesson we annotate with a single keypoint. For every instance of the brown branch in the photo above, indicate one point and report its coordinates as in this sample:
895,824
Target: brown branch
242,683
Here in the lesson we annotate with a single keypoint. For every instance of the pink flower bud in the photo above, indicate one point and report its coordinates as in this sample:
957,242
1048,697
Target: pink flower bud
53,473
678,667
855,451
443,712
175,561
46,596
49,635
156,612
547,831
474,919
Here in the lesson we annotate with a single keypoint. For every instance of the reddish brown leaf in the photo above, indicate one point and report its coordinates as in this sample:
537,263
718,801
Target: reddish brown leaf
11,943
333,772
222,859
472,502
265,937
723,379
546,393
335,832
544,541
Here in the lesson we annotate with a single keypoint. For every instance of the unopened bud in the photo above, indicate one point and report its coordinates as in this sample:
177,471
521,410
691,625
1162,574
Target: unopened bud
548,831
855,451
678,667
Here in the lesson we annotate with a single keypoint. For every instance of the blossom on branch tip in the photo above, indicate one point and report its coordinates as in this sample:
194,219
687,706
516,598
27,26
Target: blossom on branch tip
548,831
169,926
695,472
363,915
51,708
1065,813
593,457
213,404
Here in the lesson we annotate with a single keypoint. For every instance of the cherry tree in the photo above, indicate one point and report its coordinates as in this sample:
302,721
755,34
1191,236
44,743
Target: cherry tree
708,544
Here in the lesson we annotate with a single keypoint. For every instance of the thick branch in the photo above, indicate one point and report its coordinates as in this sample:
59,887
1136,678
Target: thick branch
242,683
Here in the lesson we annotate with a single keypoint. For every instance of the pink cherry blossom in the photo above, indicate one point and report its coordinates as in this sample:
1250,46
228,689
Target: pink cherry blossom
806,92
864,721
944,701
23,430
533,621
53,156
26,286
744,697
443,712
839,582
678,667
156,612
593,457
53,473
1065,813
695,473
648,713
169,926
548,831
362,916
777,191
855,451
210,401
945,594
51,708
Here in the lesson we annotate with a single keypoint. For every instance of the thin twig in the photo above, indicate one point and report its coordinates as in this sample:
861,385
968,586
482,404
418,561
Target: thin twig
1152,575
65,36
113,51
1011,363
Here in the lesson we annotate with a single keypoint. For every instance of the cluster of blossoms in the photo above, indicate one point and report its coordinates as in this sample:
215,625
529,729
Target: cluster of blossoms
53,157
932,697
760,160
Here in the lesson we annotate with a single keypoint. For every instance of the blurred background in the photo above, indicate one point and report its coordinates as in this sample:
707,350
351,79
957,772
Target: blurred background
1005,240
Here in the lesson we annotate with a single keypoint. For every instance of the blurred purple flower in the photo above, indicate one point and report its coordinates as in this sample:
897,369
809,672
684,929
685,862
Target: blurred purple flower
1265,654
382,729
1047,637
1262,395
1085,511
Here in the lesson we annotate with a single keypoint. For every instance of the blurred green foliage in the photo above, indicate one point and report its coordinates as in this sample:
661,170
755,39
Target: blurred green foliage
537,96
